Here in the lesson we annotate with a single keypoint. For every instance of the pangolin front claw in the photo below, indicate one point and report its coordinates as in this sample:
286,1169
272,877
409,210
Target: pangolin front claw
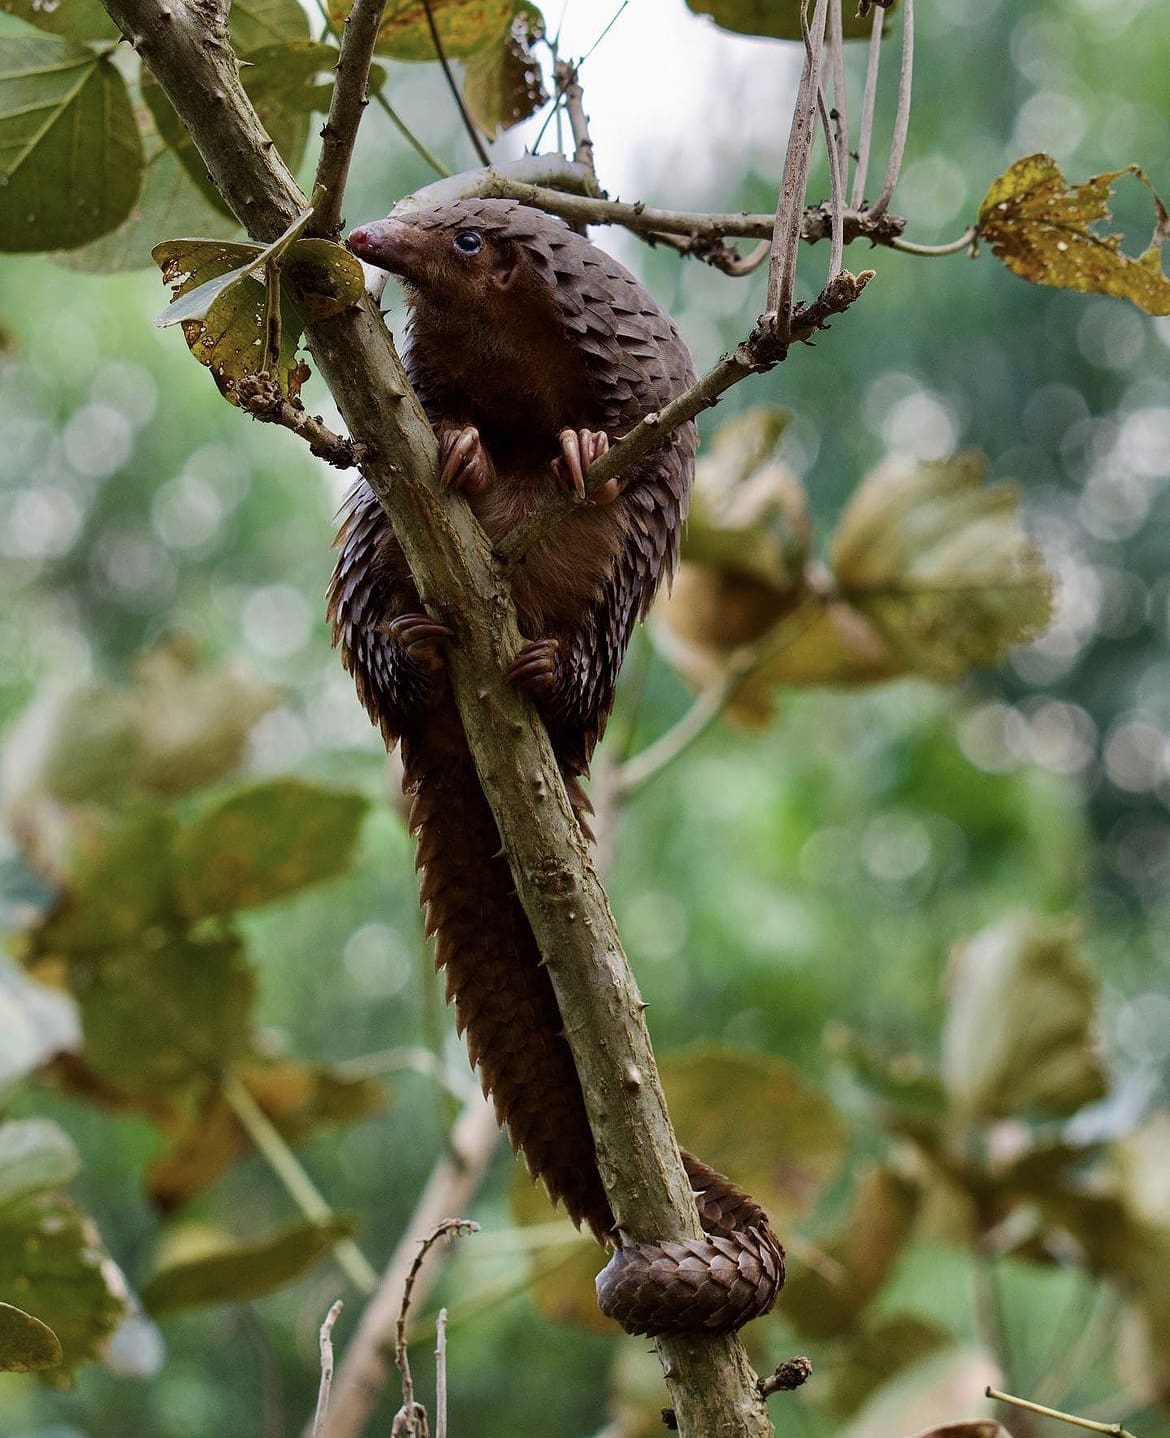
464,463
422,637
535,669
581,448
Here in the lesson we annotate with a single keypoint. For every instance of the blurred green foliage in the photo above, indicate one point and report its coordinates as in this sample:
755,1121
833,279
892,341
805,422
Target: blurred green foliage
789,897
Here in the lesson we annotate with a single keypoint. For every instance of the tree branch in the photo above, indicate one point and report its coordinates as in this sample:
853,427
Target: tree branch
711,1383
339,134
766,346
570,86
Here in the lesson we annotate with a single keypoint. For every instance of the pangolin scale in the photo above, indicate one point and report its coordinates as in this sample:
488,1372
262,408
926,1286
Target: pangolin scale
529,348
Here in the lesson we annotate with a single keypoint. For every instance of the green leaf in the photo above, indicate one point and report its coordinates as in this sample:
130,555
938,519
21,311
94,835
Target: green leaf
239,1272
116,882
880,1348
464,26
1018,1038
938,562
51,1254
34,1155
253,23
1040,226
284,83
177,138
160,1017
325,277
775,1111
71,19
503,83
266,842
171,203
70,154
777,18
26,1344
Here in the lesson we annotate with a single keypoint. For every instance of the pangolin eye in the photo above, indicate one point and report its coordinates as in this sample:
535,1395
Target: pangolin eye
468,242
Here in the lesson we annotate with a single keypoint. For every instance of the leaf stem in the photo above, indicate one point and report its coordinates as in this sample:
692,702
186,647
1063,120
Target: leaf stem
1115,1430
297,1183
952,247
448,74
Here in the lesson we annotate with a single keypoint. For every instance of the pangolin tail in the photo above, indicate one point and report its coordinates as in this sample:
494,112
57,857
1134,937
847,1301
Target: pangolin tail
503,997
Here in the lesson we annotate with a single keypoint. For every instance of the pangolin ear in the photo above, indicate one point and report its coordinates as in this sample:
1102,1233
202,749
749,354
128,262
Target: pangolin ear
505,269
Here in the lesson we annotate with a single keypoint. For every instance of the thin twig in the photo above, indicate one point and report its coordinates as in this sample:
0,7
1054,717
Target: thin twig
712,702
391,114
453,1181
966,241
441,1374
869,99
1115,1430
297,1183
794,178
836,43
345,110
261,397
836,172
766,346
326,1346
902,116
569,86
411,1418
453,85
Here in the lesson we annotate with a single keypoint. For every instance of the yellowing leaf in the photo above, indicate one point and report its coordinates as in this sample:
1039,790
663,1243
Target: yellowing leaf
464,26
70,153
1040,226
236,1272
940,565
26,1344
264,842
781,1138
1018,1038
503,83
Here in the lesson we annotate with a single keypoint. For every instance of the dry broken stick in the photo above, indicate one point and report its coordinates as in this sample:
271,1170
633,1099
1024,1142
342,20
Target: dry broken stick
326,1345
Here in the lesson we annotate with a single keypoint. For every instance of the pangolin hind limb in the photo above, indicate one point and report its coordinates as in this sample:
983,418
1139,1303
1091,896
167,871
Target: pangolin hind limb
529,348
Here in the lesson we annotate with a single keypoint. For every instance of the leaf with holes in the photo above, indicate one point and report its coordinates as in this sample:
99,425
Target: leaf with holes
235,1272
464,26
1041,227
503,83
70,152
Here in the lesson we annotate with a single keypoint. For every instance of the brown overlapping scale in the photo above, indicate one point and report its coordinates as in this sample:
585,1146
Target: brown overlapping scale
629,360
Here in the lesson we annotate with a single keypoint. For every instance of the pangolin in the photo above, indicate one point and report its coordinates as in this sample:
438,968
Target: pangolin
529,348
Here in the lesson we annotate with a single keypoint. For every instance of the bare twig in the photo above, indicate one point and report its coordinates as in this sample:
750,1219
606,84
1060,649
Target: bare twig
766,346
297,1183
794,178
261,397
326,1345
836,45
345,111
837,170
441,1374
411,1418
968,240
1114,1430
869,99
569,85
902,115
453,85
364,1368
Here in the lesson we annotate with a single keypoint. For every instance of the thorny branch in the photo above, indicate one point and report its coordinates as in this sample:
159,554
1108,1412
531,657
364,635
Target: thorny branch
569,85
339,134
